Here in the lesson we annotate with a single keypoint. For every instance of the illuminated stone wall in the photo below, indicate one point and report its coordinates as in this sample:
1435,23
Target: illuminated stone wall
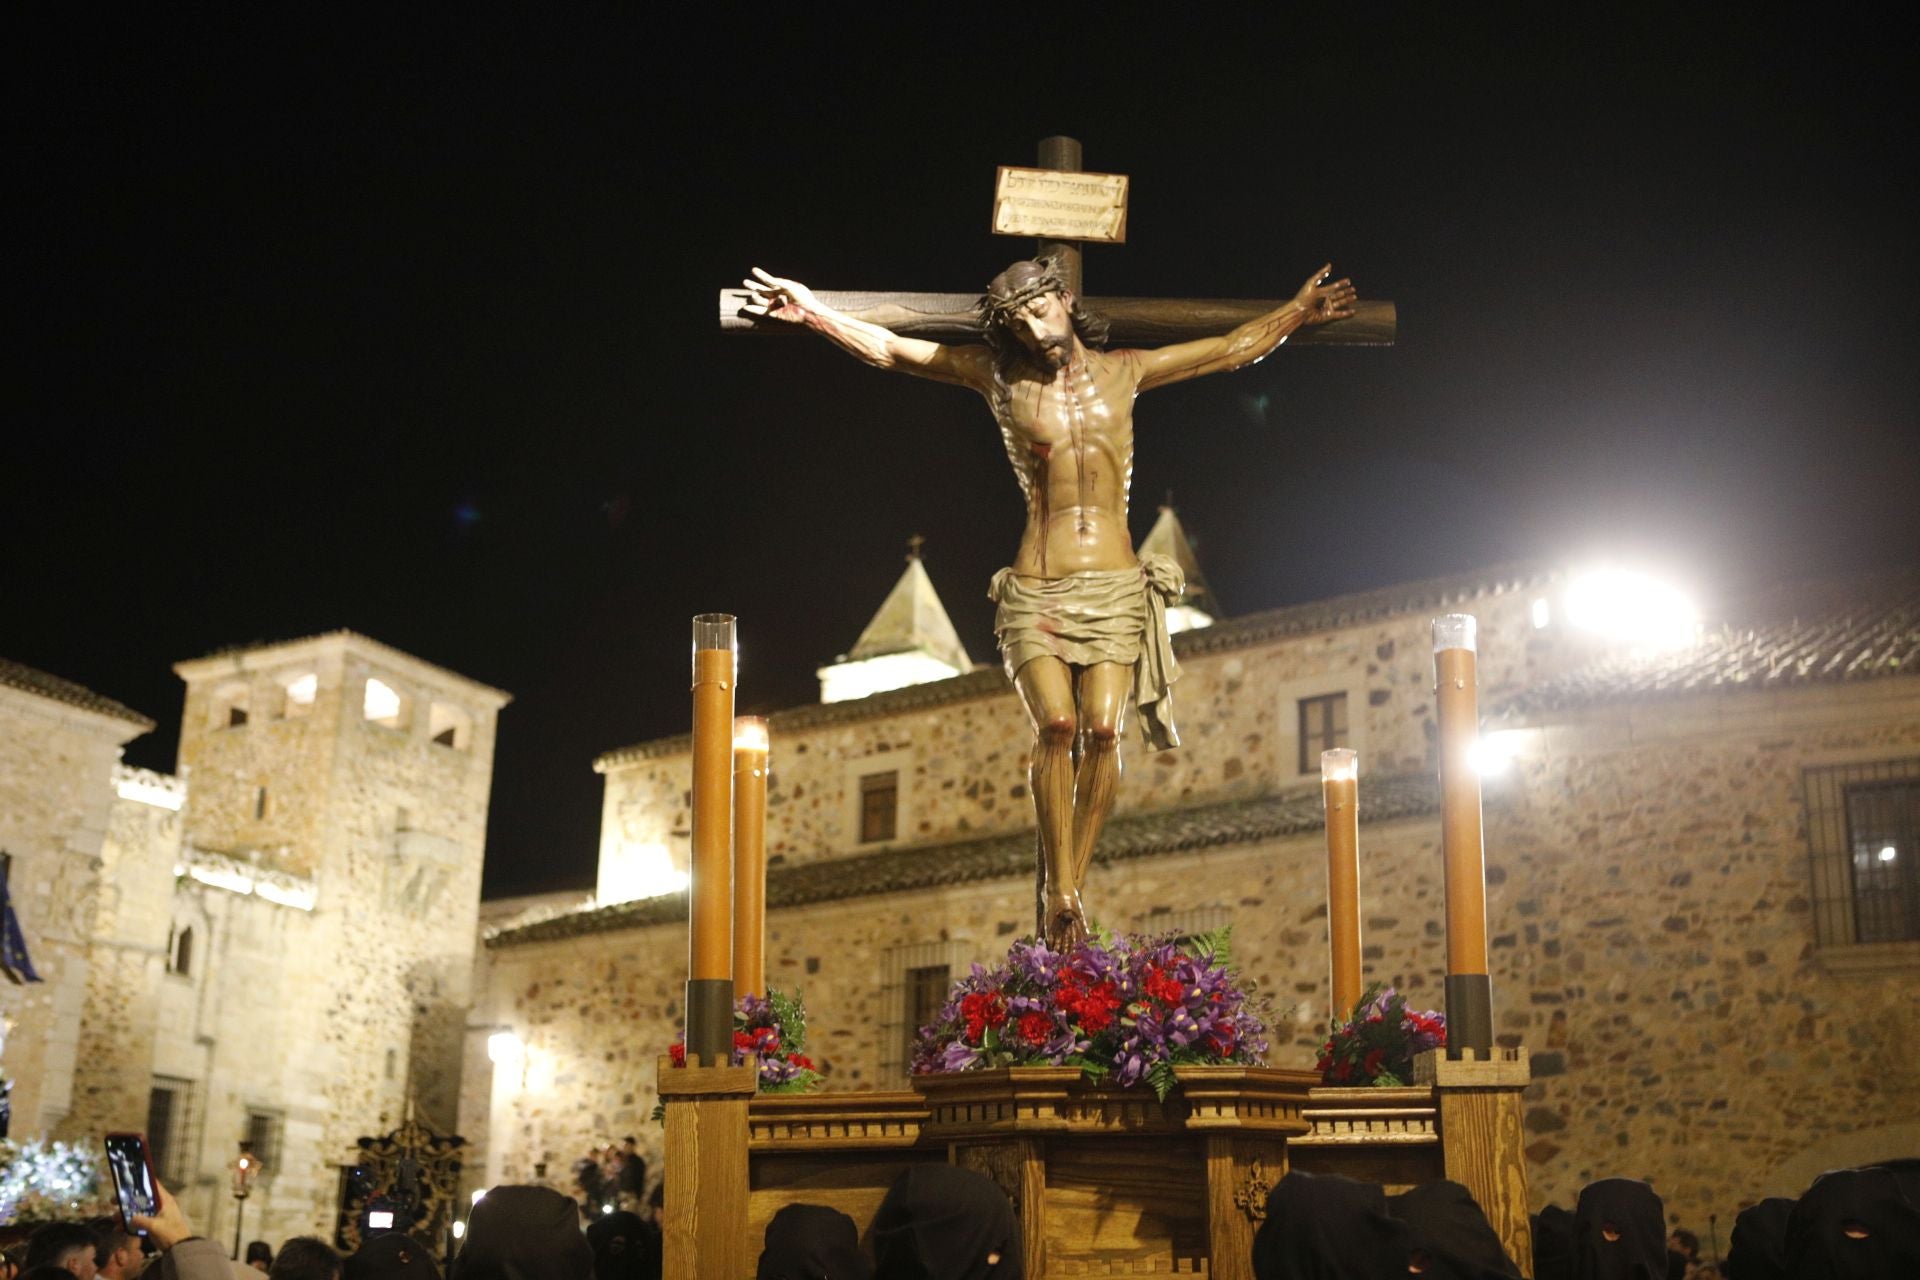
56,790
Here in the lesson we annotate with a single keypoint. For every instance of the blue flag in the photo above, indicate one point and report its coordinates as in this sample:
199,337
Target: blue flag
14,959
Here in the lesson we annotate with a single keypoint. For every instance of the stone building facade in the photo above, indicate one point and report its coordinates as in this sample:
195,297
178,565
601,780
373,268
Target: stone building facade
1687,930
278,939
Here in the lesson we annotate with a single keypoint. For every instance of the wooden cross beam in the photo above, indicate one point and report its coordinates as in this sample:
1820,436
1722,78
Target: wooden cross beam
1134,322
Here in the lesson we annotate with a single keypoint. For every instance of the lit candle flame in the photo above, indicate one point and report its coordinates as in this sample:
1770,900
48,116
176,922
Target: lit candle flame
750,733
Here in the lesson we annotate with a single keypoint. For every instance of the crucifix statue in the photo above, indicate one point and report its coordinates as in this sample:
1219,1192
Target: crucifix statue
1081,620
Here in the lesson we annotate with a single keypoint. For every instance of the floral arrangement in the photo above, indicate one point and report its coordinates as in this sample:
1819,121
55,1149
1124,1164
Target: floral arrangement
1377,1043
773,1031
1124,1010
43,1181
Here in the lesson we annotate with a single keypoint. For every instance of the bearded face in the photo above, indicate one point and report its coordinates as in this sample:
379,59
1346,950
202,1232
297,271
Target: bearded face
1044,327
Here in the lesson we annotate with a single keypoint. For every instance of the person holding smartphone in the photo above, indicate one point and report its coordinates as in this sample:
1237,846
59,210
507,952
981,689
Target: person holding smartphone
183,1255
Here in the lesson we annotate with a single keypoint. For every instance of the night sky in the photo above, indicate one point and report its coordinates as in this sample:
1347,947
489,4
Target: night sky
403,322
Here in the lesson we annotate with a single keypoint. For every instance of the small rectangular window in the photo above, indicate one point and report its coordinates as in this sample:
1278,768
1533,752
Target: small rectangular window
167,1103
263,1137
1863,828
879,806
259,803
926,992
1323,726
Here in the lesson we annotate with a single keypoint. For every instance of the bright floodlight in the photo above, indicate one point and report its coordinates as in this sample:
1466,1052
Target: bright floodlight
1492,754
1889,853
504,1047
1633,608
1339,764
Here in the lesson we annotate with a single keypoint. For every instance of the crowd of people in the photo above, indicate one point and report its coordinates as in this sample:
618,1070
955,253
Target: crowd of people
941,1222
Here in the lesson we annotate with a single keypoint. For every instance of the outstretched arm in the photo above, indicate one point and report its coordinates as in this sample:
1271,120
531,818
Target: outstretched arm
1316,303
792,302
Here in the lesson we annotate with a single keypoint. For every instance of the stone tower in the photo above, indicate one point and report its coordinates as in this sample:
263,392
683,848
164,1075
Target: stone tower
320,954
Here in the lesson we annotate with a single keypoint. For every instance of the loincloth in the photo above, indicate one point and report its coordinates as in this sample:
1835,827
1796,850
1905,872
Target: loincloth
1117,615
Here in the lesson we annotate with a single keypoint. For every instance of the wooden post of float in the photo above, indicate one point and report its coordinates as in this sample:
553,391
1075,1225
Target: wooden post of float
1457,699
1340,789
710,892
749,856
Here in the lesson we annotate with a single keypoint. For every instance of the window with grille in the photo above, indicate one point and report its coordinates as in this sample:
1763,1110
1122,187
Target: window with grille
168,1105
1323,726
1863,828
263,1138
879,806
926,991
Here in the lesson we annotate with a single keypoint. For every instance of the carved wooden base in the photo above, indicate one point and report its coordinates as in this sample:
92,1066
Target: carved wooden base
1108,1182
1114,1182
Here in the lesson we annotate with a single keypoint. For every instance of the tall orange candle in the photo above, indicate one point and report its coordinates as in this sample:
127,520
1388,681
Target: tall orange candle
710,893
1340,789
749,855
1457,700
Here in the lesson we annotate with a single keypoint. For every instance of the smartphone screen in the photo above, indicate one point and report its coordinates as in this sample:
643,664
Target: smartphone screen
133,1185
380,1220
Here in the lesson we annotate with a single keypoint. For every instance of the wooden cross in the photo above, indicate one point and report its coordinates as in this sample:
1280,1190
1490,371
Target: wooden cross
1134,322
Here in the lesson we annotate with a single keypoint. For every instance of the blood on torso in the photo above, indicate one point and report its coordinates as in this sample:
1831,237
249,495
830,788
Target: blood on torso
1069,436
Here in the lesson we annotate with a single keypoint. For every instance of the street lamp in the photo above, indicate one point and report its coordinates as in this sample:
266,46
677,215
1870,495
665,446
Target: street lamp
245,1168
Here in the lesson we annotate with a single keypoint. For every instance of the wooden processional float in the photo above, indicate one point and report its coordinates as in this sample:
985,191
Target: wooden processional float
1106,1181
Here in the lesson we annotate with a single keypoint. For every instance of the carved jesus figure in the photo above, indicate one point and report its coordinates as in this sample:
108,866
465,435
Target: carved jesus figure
1081,620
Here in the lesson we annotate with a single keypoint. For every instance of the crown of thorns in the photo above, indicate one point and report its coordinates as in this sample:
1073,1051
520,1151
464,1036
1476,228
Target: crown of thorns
1018,285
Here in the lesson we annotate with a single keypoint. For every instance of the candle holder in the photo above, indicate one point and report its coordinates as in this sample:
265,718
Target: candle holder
1340,792
710,888
1457,701
750,751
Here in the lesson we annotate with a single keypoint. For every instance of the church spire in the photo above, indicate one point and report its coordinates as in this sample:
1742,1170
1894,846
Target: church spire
1197,606
910,640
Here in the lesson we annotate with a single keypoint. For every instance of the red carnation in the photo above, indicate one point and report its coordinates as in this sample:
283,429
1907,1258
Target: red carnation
801,1060
743,1041
678,1052
1035,1027
1371,1066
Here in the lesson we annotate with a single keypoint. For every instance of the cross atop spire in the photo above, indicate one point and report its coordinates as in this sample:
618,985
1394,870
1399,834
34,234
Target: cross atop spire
913,546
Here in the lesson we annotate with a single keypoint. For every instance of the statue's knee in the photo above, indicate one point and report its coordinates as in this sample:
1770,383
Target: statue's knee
1102,736
1055,732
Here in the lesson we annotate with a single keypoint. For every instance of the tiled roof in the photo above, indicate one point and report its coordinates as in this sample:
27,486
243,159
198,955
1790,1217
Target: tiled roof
1427,596
1862,627
1003,857
18,676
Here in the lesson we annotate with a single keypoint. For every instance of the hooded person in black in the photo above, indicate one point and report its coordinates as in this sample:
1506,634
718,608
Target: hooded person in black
524,1233
940,1222
1325,1227
1854,1222
390,1255
1451,1237
625,1247
1619,1232
1553,1244
1758,1250
812,1242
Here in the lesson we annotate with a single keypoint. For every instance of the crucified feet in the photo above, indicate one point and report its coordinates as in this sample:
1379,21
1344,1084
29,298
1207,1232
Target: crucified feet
1077,713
